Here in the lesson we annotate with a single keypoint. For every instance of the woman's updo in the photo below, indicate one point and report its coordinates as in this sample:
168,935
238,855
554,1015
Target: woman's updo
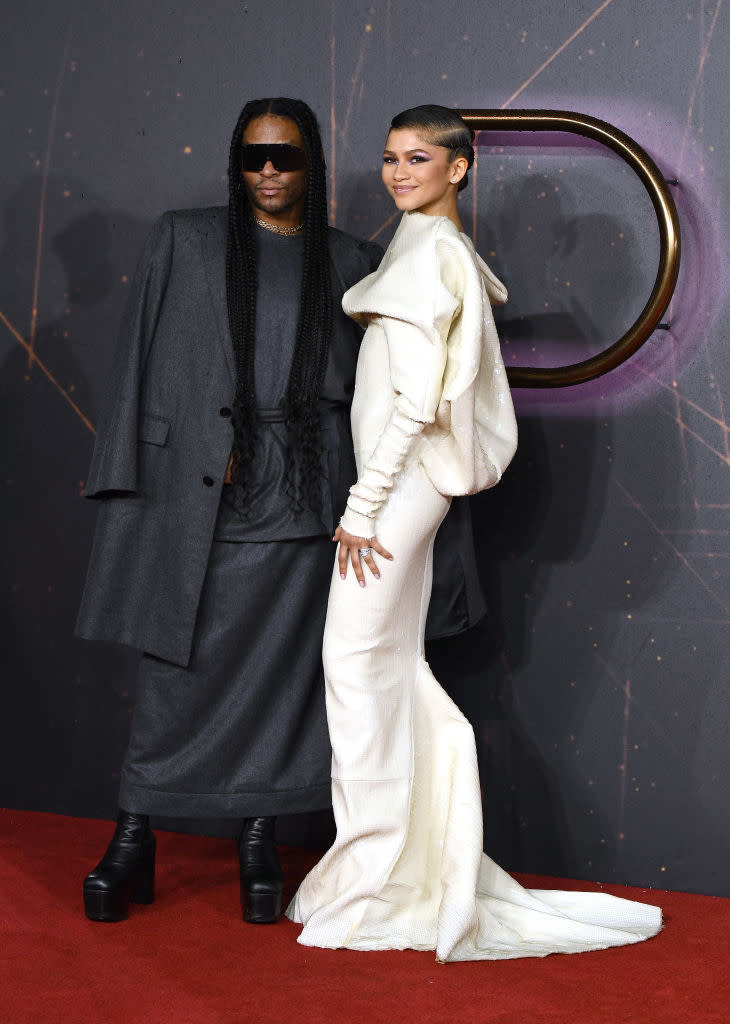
440,126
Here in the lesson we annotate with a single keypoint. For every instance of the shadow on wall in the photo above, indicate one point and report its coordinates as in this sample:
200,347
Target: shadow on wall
558,506
66,709
557,503
538,242
522,527
564,272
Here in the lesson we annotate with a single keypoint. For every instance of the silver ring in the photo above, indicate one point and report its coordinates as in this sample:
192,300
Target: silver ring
365,552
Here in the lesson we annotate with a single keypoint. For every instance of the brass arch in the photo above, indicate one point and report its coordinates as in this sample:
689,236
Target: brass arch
669,239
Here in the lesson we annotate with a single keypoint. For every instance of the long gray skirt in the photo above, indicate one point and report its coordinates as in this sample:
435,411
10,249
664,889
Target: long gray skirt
242,730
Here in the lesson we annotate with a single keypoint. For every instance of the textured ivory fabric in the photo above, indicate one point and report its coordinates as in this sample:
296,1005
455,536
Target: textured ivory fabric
407,868
448,403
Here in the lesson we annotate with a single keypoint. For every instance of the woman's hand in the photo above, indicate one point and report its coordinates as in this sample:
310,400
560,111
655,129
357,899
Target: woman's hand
360,550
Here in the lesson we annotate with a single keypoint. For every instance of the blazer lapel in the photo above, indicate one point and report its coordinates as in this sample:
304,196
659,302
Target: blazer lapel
213,242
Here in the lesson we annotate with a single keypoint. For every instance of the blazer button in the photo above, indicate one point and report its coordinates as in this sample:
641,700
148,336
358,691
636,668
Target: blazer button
208,481
225,411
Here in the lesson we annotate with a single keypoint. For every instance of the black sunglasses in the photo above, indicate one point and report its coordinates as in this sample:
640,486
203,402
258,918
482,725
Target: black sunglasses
283,156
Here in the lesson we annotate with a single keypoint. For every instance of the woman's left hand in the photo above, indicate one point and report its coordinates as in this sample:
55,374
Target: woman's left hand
360,550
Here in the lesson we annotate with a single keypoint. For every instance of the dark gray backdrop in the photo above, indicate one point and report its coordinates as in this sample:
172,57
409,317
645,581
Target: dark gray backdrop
597,685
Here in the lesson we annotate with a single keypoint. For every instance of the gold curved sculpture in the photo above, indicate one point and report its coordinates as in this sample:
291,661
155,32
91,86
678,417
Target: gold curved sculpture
669,240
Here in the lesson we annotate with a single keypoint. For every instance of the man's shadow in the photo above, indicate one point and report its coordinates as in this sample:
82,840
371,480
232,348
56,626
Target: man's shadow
66,704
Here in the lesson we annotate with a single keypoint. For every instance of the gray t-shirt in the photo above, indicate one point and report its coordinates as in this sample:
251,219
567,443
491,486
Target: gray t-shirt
269,509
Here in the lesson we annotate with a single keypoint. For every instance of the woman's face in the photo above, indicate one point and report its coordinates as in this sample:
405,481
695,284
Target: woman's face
419,175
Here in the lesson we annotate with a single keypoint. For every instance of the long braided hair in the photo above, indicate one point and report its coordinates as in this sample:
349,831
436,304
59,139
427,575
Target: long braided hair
314,327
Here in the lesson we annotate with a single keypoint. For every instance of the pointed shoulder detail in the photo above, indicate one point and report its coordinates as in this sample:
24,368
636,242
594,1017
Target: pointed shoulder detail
408,284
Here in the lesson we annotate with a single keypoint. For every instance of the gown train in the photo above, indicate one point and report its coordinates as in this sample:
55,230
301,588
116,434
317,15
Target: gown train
407,868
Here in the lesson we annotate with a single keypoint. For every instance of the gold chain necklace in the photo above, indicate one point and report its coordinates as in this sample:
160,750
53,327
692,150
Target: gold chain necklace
277,229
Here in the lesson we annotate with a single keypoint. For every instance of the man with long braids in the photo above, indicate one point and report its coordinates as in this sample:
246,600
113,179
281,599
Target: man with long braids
224,457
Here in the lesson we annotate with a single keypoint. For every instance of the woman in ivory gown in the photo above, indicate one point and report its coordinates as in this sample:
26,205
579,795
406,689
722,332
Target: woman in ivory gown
432,417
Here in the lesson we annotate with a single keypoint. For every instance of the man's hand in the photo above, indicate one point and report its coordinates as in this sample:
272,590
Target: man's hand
360,551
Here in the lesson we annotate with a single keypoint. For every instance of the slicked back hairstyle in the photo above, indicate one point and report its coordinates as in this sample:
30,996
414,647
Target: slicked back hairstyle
440,126
314,327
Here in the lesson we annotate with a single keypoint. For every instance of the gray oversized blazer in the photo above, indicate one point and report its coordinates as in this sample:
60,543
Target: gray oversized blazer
161,454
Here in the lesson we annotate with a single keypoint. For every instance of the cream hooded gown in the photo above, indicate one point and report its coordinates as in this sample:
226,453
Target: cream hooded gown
432,417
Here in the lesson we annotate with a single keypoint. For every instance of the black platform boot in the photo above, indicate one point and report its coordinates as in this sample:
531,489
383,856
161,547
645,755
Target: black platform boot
125,873
261,874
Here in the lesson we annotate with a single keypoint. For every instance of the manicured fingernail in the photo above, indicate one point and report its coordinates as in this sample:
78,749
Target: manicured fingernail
362,583
342,575
376,575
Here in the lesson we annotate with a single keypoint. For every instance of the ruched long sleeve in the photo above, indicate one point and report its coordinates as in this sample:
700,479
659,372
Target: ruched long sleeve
376,479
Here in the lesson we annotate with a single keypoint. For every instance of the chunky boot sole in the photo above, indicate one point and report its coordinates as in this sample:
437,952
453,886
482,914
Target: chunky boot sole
112,904
260,907
260,872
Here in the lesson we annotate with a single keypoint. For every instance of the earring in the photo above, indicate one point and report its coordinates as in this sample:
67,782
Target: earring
453,181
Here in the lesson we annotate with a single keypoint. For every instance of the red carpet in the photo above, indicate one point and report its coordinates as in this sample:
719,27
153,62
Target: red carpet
189,959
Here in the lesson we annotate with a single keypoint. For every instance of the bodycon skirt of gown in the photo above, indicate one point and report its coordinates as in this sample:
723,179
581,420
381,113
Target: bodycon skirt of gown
407,868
